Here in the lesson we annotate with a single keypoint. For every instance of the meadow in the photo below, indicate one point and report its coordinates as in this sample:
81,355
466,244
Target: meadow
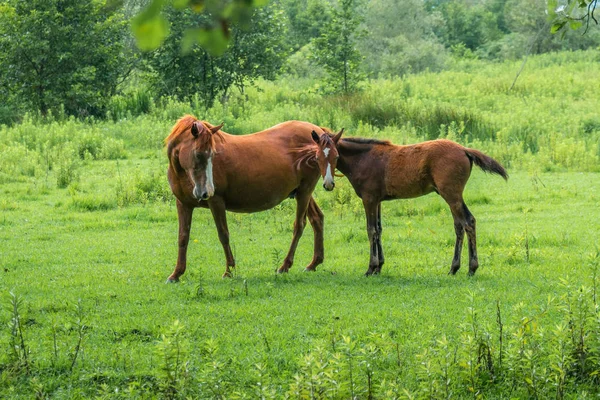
88,236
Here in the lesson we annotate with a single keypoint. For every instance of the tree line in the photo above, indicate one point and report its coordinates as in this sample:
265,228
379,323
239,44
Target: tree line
70,57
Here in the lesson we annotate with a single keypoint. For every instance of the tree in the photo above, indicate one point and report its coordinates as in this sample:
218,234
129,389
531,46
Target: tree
306,19
400,38
252,53
336,48
61,52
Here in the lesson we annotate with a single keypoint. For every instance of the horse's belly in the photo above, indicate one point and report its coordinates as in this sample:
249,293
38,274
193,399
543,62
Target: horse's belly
254,202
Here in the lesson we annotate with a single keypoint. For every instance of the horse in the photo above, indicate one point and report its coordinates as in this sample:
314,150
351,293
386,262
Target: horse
212,169
379,170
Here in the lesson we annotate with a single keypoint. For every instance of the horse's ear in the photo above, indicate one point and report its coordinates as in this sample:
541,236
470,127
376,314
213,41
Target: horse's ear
315,136
197,128
337,137
216,128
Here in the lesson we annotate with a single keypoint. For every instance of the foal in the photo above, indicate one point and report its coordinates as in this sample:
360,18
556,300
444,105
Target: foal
379,170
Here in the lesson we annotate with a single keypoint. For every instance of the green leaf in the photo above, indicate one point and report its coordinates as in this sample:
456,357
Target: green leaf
575,25
149,27
189,39
213,40
180,4
150,34
557,27
552,4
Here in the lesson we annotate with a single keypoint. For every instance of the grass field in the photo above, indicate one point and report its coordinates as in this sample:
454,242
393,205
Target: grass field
99,276
88,236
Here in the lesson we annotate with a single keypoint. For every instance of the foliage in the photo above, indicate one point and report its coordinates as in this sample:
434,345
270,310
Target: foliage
306,19
252,53
400,39
336,48
61,54
151,28
572,14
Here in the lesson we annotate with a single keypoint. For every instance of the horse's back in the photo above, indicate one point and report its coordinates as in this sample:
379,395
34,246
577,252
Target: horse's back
256,172
418,169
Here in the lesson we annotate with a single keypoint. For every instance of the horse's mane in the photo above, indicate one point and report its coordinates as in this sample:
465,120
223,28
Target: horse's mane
306,155
358,140
184,124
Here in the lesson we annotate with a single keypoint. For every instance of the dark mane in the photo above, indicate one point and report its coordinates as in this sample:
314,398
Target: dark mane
366,141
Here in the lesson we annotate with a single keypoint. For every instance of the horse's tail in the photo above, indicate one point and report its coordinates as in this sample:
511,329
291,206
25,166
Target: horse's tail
486,163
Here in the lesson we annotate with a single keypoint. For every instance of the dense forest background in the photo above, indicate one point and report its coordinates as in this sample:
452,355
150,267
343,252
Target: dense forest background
79,58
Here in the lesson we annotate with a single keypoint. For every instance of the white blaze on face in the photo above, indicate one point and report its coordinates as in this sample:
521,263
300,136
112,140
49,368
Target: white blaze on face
328,180
210,185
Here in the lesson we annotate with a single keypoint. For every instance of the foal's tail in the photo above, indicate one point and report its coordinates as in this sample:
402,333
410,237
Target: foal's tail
486,163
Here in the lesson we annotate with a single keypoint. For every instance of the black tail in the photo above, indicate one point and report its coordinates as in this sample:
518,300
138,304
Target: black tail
486,163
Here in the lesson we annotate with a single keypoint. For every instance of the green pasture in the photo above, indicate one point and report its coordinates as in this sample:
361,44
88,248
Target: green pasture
105,269
88,236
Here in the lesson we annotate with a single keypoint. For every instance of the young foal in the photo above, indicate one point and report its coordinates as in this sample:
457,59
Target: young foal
211,169
379,170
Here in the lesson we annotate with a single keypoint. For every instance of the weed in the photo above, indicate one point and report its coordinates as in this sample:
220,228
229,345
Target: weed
172,351
80,329
19,350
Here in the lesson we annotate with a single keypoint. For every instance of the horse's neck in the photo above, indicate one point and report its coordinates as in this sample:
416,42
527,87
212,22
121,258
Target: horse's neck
351,154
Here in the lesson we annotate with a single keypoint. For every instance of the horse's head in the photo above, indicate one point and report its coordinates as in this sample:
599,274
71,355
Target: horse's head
327,156
196,157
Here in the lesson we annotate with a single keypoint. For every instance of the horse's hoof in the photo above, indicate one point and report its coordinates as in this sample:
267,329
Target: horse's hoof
172,280
282,270
227,275
307,269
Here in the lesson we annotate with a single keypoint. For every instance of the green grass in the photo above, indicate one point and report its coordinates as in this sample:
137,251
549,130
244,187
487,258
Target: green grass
88,236
114,260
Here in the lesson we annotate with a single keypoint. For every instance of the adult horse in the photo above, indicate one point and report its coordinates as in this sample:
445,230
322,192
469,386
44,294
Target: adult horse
379,170
211,169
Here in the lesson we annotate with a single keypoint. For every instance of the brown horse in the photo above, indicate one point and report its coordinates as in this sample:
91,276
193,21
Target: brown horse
211,169
379,170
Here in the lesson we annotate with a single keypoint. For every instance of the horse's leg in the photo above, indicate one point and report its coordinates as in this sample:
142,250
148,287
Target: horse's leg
464,221
184,215
379,246
372,231
217,208
302,200
460,234
316,217
472,236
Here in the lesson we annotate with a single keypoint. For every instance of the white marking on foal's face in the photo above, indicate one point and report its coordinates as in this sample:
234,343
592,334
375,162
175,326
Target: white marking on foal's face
328,179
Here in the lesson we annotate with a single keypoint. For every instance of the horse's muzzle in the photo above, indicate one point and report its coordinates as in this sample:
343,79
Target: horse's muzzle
329,187
201,194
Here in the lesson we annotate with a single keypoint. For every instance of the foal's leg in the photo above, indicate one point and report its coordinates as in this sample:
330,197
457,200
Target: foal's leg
184,215
472,236
379,246
217,208
460,234
316,217
302,199
463,222
372,230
